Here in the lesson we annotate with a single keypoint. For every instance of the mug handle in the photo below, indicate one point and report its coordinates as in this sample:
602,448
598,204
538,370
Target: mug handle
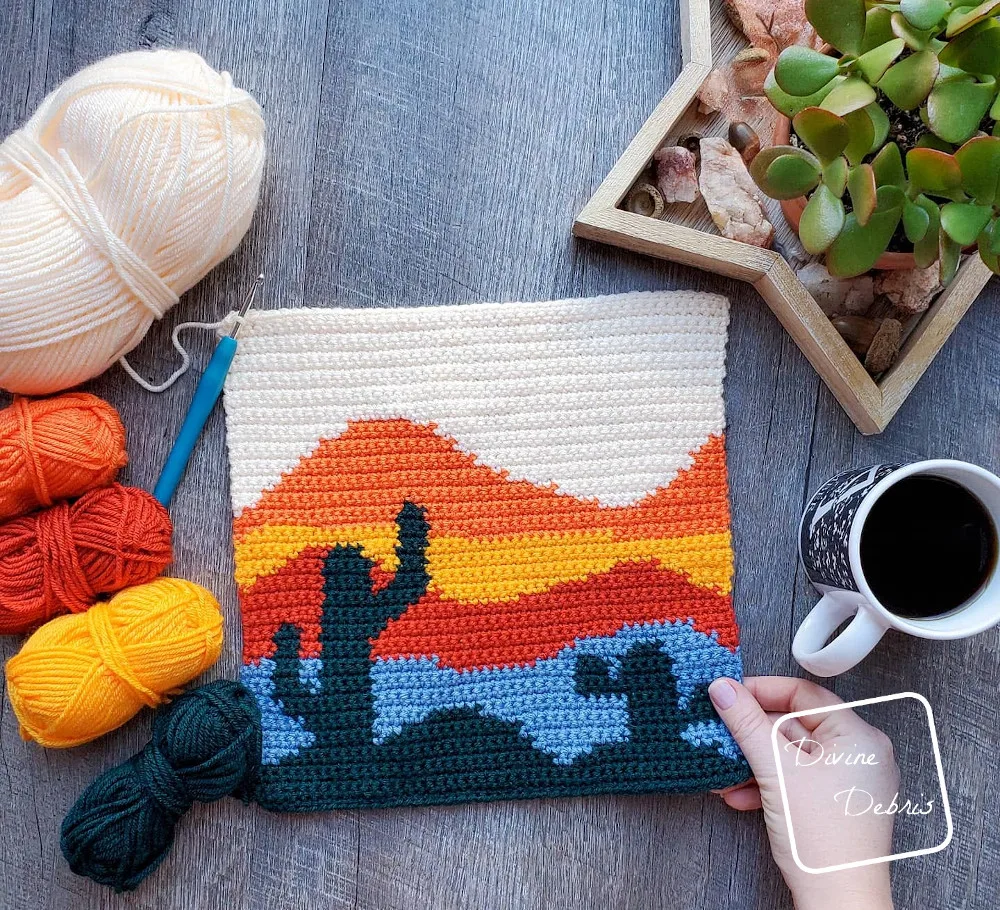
809,647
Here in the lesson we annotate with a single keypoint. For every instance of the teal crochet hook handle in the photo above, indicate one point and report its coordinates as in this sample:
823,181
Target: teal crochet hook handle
205,397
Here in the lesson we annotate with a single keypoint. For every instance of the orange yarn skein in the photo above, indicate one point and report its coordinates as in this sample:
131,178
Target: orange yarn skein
79,677
57,448
61,559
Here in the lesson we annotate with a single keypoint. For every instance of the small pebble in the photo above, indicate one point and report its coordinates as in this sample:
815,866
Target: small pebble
713,93
838,296
676,174
910,291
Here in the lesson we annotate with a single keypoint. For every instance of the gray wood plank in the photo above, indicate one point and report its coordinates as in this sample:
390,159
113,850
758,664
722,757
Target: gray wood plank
436,153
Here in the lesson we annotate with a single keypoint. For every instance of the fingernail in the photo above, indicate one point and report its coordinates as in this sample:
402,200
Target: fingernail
722,693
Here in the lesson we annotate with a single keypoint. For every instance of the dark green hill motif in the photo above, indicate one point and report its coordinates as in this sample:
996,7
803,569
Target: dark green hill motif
457,754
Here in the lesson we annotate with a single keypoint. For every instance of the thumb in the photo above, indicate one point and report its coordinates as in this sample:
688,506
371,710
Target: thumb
747,722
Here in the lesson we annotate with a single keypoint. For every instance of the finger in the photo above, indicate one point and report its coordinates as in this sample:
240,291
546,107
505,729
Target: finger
746,799
786,695
791,729
734,787
747,722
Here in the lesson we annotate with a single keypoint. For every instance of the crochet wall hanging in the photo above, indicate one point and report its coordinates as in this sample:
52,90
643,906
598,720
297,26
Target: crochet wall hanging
482,552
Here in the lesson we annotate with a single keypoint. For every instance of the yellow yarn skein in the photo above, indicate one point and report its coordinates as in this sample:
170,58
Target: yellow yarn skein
83,675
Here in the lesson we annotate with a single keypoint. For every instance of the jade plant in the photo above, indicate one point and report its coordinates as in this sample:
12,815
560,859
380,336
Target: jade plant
929,67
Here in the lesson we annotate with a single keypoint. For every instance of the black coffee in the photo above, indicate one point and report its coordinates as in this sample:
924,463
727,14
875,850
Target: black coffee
928,545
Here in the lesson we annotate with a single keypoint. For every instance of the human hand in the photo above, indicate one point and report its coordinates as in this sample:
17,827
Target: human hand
819,794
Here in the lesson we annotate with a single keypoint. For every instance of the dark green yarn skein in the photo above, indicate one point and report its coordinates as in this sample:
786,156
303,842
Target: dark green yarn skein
206,745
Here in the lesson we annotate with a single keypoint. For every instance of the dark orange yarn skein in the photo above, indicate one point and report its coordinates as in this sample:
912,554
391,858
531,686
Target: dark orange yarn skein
63,558
57,448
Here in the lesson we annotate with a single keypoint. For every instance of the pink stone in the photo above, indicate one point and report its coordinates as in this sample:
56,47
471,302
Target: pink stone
731,195
714,92
773,25
676,174
837,296
910,291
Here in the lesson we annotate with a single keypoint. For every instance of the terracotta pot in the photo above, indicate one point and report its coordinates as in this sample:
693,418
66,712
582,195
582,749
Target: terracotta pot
793,209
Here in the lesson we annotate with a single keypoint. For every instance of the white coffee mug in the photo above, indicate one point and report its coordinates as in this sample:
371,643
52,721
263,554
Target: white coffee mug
830,549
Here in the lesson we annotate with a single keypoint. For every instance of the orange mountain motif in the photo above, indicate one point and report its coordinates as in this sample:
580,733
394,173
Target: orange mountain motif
350,489
517,571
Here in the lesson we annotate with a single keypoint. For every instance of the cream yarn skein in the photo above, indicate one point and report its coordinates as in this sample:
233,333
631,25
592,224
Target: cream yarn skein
132,180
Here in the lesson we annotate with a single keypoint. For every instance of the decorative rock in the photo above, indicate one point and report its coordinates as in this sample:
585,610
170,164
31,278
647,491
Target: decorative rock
743,138
645,199
714,93
838,296
676,174
773,25
731,194
910,291
884,347
749,17
858,331
750,69
875,341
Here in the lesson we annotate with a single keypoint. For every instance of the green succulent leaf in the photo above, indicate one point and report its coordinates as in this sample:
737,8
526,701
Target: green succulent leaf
862,135
926,251
793,176
979,161
797,171
929,141
801,71
858,247
878,28
934,172
916,221
908,83
915,39
924,14
822,220
975,51
861,185
963,18
888,167
951,74
851,95
989,254
825,133
835,176
874,64
992,237
880,121
965,221
841,24
995,110
789,105
950,254
955,109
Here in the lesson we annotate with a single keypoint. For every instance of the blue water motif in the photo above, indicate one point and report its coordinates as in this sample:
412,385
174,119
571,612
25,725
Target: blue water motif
542,698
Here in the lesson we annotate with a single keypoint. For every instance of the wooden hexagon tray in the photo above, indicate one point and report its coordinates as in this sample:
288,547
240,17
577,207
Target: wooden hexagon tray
689,239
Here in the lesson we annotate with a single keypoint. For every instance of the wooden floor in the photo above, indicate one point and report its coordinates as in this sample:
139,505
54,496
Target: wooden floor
437,151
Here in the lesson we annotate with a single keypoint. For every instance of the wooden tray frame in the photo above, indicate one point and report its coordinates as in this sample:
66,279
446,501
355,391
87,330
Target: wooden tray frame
869,404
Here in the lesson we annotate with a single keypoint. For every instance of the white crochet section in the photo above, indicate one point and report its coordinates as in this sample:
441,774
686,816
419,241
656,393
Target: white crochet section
605,398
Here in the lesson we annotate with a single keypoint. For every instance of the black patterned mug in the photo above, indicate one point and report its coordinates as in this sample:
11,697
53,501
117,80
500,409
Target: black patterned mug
831,547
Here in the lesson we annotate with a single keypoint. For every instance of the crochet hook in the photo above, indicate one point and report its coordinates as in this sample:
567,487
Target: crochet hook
205,396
